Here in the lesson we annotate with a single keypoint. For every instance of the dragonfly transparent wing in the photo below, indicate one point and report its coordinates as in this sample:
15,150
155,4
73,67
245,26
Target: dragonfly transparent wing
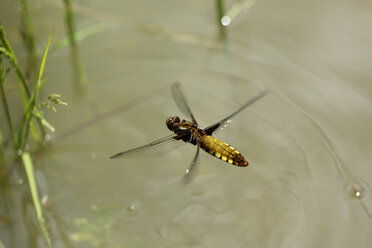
180,99
225,121
189,172
155,147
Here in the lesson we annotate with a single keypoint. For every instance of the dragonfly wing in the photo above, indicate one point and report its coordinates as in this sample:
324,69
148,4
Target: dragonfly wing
173,140
189,175
180,99
222,123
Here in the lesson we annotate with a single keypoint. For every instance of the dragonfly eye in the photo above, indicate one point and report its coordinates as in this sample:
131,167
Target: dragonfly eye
172,122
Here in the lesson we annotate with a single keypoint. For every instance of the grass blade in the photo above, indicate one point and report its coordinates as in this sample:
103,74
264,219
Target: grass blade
80,35
14,60
238,7
29,168
23,85
41,71
27,117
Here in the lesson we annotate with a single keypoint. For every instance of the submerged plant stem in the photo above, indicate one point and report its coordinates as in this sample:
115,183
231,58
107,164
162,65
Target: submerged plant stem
77,65
29,169
70,22
220,15
29,39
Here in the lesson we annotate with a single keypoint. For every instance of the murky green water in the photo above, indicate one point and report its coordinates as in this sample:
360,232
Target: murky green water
308,142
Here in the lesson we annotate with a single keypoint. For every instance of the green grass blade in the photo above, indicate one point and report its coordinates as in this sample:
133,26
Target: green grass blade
29,168
25,123
80,35
41,71
25,92
14,60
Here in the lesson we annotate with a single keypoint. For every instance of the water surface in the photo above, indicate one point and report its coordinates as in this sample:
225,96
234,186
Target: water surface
308,142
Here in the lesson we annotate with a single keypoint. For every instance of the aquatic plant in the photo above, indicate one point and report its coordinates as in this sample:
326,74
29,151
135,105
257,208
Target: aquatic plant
32,111
70,24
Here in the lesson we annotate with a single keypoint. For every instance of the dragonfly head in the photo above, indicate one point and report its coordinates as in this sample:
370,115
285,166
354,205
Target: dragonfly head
172,122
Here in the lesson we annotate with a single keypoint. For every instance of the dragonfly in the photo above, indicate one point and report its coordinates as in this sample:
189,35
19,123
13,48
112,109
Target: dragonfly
186,131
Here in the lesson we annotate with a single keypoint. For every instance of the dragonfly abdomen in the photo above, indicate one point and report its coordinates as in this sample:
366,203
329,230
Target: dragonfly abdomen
222,151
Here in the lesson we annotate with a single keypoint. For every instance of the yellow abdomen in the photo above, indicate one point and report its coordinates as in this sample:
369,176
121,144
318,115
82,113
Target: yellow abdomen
222,151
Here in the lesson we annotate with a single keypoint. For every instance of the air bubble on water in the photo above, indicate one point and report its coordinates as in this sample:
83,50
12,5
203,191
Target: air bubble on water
132,209
356,190
225,20
47,137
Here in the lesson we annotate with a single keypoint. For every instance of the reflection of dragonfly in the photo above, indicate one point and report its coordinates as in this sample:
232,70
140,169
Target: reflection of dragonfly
186,131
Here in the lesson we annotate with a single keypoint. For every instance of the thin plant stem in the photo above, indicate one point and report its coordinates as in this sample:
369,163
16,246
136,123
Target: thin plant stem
29,38
78,69
32,124
3,169
220,14
6,108
70,23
